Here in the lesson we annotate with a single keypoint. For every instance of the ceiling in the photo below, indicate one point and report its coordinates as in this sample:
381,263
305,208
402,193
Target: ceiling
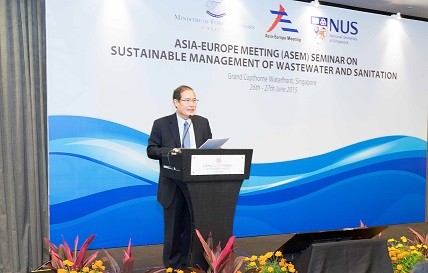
411,9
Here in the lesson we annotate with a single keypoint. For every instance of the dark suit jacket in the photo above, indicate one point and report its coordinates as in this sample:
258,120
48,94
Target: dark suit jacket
164,137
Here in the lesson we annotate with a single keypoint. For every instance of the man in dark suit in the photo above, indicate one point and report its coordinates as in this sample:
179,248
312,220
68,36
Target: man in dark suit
170,133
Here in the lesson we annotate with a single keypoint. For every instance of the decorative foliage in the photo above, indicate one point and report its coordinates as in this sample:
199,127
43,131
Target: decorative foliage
419,239
64,260
128,261
97,267
224,261
219,260
404,255
269,263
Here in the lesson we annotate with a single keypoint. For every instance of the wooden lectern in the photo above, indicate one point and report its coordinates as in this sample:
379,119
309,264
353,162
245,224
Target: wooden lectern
213,178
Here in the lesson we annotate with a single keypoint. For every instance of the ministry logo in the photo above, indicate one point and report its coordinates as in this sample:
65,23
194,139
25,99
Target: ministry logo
320,28
216,8
280,13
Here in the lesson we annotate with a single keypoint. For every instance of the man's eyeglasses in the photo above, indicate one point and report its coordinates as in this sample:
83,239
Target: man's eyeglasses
189,100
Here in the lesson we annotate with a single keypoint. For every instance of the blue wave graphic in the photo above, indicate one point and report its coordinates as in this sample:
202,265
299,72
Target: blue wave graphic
102,182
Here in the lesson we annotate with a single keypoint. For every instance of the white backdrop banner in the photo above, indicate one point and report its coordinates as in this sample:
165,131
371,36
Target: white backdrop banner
333,102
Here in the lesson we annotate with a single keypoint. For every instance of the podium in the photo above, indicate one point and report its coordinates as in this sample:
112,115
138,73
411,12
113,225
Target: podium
213,178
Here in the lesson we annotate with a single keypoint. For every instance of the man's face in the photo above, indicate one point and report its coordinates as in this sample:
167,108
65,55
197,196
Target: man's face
186,105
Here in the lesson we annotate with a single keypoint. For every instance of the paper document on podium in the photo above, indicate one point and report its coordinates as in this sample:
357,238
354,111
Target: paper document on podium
213,143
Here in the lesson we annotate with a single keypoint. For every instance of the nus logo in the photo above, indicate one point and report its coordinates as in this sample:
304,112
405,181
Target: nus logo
280,13
320,27
345,27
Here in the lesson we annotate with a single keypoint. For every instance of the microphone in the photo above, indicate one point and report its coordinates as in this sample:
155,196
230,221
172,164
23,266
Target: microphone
187,131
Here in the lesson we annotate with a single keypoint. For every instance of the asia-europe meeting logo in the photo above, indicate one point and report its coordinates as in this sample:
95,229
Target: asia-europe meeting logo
333,30
282,22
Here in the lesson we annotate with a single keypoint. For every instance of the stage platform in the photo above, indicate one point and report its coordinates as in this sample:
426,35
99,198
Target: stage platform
150,256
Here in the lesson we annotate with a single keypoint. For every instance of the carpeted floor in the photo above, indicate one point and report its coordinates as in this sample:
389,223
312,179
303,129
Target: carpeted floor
150,256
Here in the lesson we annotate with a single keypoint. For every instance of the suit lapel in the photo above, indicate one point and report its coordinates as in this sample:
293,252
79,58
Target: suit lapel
197,130
173,127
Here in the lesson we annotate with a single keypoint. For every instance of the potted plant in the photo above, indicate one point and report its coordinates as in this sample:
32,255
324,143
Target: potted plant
405,253
219,260
66,260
